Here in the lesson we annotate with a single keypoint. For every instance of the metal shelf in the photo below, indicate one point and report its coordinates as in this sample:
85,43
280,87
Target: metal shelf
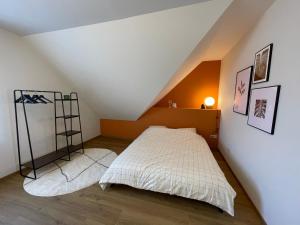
69,133
52,156
67,116
63,99
57,98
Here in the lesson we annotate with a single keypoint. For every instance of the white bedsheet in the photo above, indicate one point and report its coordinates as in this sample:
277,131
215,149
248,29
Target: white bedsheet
176,162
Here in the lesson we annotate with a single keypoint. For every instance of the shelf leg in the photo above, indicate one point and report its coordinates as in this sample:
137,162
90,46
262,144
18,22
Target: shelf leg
55,114
28,135
65,123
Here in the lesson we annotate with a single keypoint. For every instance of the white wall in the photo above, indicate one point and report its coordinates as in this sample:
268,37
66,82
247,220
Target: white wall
267,166
22,68
120,66
220,39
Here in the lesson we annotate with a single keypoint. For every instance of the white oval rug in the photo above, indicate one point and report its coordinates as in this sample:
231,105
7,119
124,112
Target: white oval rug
63,177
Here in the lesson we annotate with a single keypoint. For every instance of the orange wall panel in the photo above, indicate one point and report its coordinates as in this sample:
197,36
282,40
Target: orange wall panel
189,94
205,121
202,82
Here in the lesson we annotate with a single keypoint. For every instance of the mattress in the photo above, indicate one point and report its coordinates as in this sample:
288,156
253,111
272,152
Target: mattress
172,161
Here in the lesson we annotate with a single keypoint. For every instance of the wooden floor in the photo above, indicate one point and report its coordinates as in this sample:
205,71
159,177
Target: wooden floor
120,205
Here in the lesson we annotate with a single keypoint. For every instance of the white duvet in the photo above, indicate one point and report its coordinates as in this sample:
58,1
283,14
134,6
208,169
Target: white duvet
176,162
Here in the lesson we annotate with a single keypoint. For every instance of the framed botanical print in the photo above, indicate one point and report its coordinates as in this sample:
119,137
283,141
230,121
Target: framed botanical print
242,91
262,64
263,108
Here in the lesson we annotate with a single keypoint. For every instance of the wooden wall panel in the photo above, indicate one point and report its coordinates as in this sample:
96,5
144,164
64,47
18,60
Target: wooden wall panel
206,122
202,82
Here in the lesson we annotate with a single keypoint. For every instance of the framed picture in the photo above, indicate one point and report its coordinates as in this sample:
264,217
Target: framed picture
263,108
262,64
242,91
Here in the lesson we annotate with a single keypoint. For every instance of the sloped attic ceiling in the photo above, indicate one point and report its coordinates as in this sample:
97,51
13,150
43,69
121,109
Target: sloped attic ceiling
235,22
32,16
119,67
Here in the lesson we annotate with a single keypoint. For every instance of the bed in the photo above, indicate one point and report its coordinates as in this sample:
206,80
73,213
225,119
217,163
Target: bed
172,161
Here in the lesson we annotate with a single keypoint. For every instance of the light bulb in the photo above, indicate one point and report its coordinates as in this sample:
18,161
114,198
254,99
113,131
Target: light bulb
209,101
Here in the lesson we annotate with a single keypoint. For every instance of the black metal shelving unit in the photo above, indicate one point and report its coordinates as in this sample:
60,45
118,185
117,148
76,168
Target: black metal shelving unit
36,163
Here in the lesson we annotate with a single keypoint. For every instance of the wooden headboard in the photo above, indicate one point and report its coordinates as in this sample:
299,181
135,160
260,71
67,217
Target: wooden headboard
206,122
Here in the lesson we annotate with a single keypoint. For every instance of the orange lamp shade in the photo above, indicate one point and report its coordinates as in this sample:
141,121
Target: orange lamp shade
209,101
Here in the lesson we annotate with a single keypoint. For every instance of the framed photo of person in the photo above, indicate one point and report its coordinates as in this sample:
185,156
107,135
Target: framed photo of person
263,108
262,64
242,91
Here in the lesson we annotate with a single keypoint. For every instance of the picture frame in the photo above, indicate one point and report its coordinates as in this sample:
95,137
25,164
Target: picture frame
242,91
262,64
263,108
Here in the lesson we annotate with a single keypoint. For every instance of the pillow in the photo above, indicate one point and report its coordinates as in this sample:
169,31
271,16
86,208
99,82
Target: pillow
192,129
157,126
